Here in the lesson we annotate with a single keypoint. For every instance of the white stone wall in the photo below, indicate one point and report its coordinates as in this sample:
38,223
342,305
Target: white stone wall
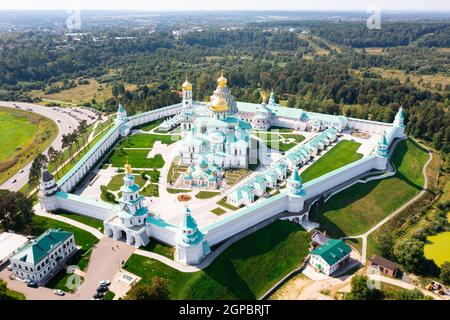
368,126
101,211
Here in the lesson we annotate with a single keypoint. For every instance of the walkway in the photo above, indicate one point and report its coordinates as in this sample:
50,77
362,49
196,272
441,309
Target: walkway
105,262
402,284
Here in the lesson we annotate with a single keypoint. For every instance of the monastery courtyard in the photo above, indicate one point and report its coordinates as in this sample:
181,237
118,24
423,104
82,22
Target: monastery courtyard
207,207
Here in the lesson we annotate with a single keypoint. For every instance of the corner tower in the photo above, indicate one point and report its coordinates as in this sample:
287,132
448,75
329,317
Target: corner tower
47,190
295,192
191,244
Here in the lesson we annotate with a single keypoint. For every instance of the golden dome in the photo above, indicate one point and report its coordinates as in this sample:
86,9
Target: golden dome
222,81
219,105
128,168
186,85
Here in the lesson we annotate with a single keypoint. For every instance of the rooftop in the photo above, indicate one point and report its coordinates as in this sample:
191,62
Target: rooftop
332,251
37,249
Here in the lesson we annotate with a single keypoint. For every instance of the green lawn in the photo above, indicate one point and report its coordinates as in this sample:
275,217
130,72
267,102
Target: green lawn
175,191
340,155
152,125
223,203
146,140
63,281
218,211
356,209
246,270
150,190
206,194
160,248
117,181
23,135
94,223
109,295
136,158
82,238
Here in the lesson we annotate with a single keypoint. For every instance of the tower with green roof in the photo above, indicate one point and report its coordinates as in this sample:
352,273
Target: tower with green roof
295,192
191,245
382,147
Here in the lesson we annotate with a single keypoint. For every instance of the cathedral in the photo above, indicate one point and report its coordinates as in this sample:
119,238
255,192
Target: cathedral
214,138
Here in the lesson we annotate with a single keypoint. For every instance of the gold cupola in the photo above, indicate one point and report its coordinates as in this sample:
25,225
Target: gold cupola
128,168
219,105
186,86
222,81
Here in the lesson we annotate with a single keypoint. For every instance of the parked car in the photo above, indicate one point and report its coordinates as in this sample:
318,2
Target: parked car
104,283
9,268
32,284
59,292
98,296
102,289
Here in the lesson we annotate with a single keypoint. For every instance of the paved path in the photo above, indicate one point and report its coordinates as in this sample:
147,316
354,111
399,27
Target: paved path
402,284
105,261
40,293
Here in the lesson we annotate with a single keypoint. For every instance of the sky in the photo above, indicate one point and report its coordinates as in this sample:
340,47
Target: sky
194,5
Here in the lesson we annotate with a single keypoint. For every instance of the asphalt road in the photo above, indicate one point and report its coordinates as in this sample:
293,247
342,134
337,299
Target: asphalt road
67,124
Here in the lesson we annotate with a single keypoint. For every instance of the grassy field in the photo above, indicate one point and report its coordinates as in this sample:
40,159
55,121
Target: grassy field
23,135
276,250
218,211
223,203
81,93
147,140
340,155
160,248
94,223
117,181
206,194
151,190
136,158
356,209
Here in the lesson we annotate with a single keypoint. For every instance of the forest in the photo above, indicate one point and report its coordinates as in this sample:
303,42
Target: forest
328,68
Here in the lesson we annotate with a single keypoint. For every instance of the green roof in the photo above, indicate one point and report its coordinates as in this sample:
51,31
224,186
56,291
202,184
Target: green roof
42,245
332,251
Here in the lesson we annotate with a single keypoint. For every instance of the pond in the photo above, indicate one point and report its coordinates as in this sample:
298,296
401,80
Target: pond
438,247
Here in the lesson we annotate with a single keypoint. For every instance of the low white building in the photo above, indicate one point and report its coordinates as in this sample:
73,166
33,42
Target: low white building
10,243
330,257
44,256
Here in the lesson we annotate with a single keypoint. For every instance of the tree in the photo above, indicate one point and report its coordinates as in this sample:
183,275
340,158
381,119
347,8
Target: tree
82,130
16,210
445,273
360,289
5,294
385,243
410,254
35,170
156,290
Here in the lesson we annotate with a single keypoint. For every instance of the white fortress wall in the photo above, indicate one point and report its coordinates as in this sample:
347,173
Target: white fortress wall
76,174
81,168
245,218
286,123
156,114
162,231
86,207
368,125
338,176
